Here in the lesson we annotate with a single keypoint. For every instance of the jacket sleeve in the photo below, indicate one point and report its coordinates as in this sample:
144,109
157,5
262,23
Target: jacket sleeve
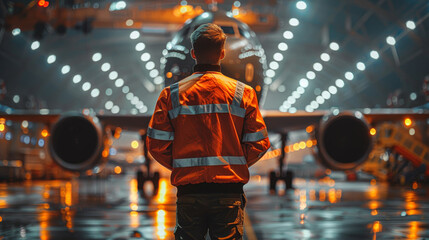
255,142
160,133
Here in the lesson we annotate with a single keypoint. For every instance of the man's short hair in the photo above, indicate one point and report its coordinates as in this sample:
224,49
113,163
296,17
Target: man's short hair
208,40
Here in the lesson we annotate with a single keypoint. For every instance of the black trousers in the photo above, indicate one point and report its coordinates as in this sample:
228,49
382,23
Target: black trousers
221,215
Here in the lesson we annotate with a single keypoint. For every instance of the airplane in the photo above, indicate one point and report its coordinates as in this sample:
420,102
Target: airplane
79,141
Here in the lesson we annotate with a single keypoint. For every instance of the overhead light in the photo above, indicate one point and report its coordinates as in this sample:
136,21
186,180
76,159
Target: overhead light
140,46
301,5
282,46
119,82
16,31
296,94
411,25
35,45
314,104
105,67
150,65
274,65
278,56
115,109
326,95
413,96
333,90
113,75
292,110
145,57
317,66
311,75
308,108
95,92
134,34
86,86
320,100
129,96
65,69
96,57
349,76
77,78
281,88
108,105
16,99
294,22
158,80
51,59
339,83
288,35
374,54
303,82
153,73
270,73
360,66
125,89
334,46
300,90
391,40
129,22
109,92
325,57
268,80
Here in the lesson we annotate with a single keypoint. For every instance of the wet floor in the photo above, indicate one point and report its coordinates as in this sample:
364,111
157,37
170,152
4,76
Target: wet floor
113,209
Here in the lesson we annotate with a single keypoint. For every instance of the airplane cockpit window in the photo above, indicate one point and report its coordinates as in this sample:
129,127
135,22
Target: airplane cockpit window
228,30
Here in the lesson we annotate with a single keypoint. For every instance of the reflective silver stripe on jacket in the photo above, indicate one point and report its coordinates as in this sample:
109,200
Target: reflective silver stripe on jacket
256,136
234,108
159,134
209,161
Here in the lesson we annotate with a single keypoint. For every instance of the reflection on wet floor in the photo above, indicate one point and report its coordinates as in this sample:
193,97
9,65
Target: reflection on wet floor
113,209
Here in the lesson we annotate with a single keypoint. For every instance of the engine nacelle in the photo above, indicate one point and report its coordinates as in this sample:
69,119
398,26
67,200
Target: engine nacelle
76,143
343,140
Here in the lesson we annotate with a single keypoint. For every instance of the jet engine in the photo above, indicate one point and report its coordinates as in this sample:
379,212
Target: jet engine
343,140
76,143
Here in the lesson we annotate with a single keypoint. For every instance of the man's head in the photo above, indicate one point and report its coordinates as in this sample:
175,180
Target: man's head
208,42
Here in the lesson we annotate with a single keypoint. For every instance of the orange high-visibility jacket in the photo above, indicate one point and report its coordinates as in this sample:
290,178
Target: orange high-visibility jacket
207,128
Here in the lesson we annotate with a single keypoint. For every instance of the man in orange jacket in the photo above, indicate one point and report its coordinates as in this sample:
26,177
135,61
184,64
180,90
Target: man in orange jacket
207,129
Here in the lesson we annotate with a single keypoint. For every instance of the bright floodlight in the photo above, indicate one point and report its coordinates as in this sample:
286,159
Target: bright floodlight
65,69
301,5
374,54
278,57
113,75
105,67
134,34
108,105
35,45
288,35
332,89
325,57
86,86
334,46
326,95
311,75
339,83
349,76
16,31
281,88
158,80
294,22
51,59
317,66
391,40
96,57
270,73
109,92
77,78
282,46
95,92
274,65
150,65
145,57
125,89
119,82
411,25
303,82
360,66
140,46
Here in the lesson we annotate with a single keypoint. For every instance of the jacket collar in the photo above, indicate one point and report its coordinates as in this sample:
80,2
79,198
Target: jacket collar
206,67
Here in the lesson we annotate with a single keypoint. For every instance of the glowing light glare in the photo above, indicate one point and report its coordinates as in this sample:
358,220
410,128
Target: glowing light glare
349,76
129,96
325,57
119,82
296,95
145,57
158,80
374,54
300,90
96,57
108,105
125,89
411,25
294,22
281,88
129,22
95,92
24,124
292,110
274,65
16,99
360,66
118,169
51,59
282,46
268,80
413,96
135,144
326,95
339,83
308,108
270,73
301,5
65,69
320,100
115,109
311,75
412,131
140,47
109,92
154,73
314,104
408,122
288,35
105,67
86,86
303,82
16,31
113,75
278,57
372,131
150,65
35,45
391,40
134,34
317,67
333,90
334,46
77,78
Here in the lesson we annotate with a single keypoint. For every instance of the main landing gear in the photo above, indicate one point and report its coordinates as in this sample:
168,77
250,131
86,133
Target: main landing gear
147,176
287,176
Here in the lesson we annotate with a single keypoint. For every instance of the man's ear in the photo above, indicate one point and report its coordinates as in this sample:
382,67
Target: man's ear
222,54
193,54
